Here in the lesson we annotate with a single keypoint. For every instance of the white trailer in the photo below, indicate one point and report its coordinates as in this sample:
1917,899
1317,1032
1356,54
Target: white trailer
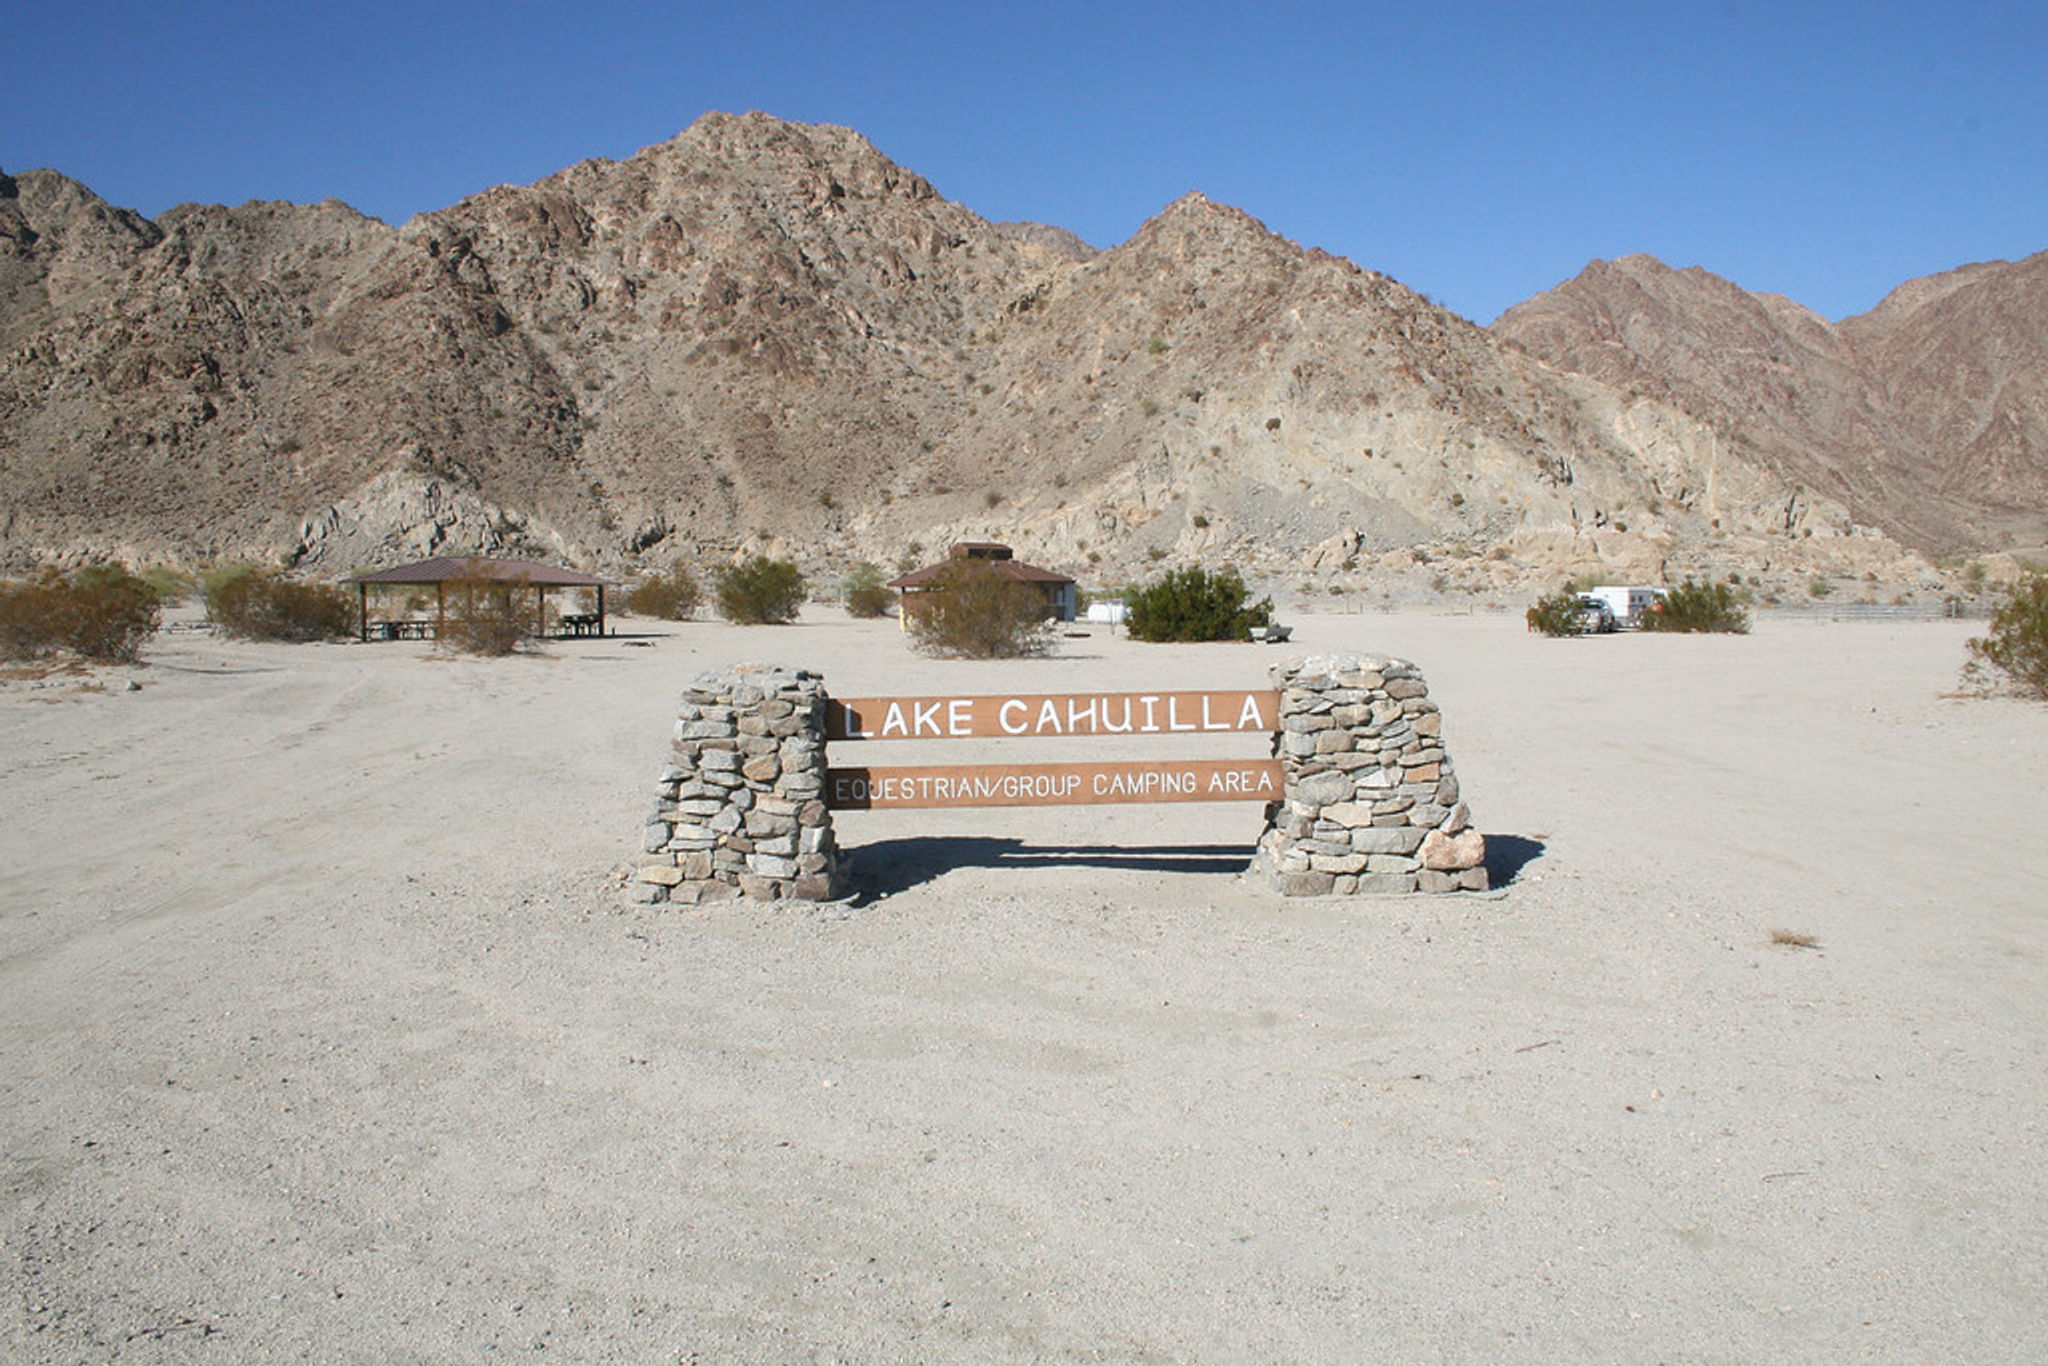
1627,603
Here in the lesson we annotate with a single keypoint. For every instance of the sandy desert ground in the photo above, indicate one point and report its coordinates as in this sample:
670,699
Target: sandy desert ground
327,1034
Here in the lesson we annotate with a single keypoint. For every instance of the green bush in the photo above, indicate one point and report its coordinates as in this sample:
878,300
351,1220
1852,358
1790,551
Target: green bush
760,591
215,581
259,606
1557,614
1719,607
972,611
102,613
170,585
2017,642
1194,604
673,596
866,594
485,616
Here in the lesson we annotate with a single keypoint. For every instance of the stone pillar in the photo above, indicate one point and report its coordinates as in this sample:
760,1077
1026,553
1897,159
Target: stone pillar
741,806
1371,803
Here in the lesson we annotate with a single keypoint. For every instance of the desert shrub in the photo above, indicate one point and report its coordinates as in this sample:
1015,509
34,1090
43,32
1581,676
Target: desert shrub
673,596
1194,604
102,613
257,606
2016,643
866,594
1719,607
760,591
169,584
1556,614
111,613
32,617
220,579
485,616
973,611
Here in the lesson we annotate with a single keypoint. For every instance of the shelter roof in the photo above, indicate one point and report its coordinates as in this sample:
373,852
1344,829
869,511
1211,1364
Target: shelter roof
1008,569
446,567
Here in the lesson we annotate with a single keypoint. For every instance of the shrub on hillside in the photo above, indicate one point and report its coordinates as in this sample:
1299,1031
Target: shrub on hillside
673,596
760,591
1719,607
971,611
102,613
1194,604
1557,614
2016,644
866,594
259,606
485,616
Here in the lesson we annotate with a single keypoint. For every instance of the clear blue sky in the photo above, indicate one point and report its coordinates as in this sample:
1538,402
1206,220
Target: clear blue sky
1478,152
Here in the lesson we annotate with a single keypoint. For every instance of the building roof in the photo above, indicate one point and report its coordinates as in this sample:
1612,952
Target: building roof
446,567
977,552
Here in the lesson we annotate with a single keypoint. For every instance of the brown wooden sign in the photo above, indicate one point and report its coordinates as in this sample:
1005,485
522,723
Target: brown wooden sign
1150,780
1040,715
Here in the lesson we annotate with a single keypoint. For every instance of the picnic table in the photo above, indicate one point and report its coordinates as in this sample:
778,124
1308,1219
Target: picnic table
401,630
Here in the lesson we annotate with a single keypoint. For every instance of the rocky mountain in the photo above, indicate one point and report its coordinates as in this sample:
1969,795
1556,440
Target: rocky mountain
763,335
1927,416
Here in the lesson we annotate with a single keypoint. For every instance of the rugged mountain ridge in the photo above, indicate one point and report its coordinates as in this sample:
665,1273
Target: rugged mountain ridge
1927,416
766,335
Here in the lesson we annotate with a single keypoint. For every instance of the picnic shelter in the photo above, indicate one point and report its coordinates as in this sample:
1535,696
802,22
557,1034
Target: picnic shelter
517,576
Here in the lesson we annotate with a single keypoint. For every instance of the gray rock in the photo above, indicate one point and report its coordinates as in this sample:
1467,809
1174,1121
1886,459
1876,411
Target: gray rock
1399,839
1348,814
1324,789
1298,744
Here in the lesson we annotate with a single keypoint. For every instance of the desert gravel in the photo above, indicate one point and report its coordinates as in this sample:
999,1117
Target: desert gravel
327,1032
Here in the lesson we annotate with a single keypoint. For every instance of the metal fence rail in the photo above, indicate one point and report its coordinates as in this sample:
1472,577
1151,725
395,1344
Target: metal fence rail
1876,611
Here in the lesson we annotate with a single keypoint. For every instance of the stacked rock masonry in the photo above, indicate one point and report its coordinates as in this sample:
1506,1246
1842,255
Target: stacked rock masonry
1372,804
741,805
